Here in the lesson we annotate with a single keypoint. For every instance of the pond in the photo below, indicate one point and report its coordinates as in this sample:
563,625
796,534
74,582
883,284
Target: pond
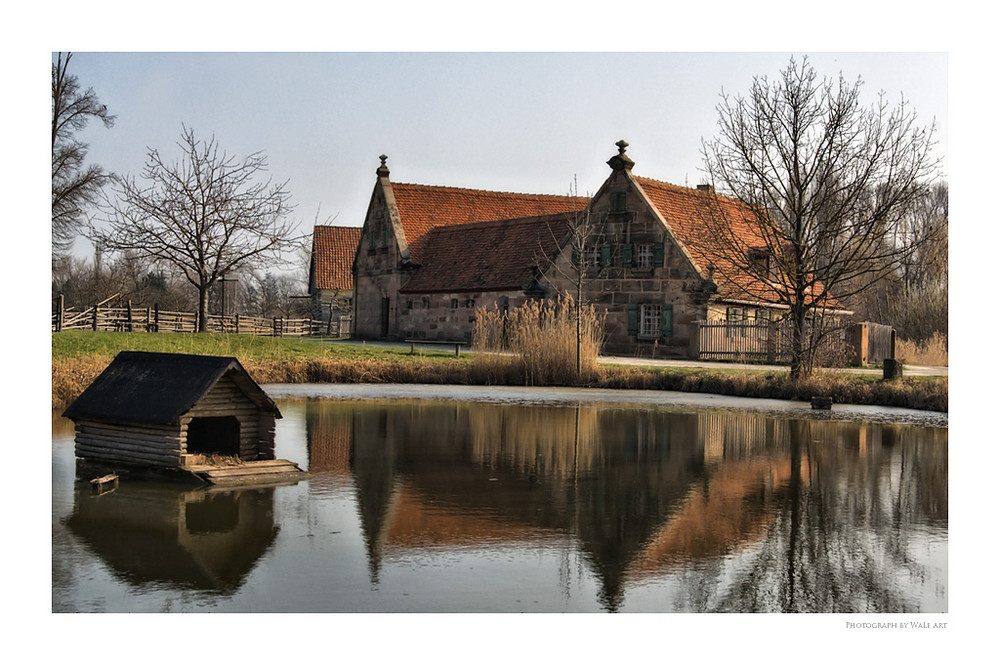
523,504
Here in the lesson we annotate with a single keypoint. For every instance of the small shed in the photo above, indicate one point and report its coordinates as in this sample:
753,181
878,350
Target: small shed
167,410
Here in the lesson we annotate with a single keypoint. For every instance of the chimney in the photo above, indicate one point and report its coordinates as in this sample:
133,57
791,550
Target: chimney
708,189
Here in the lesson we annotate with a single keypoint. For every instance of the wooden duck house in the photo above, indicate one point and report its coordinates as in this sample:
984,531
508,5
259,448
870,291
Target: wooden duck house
173,411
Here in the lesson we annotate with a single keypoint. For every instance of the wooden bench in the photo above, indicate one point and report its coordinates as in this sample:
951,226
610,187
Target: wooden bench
413,344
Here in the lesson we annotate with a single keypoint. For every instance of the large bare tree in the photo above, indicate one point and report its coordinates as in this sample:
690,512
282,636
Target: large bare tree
74,186
207,214
826,184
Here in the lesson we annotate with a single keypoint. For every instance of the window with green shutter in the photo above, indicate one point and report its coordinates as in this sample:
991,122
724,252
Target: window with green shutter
627,255
667,320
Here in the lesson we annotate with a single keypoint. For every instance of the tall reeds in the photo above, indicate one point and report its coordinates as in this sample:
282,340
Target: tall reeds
542,342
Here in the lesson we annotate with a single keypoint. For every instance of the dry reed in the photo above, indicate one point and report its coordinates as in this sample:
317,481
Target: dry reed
932,352
547,342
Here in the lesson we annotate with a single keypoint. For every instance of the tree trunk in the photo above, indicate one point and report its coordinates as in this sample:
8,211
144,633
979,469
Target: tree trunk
801,366
203,308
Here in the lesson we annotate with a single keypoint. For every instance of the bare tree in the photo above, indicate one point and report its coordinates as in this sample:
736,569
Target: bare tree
74,187
207,214
824,186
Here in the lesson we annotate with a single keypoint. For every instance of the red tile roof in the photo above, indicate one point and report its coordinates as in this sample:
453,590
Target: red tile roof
425,207
486,256
333,255
691,215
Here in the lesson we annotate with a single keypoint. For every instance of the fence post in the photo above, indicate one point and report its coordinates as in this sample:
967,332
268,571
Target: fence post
156,317
237,323
128,309
148,328
94,325
60,312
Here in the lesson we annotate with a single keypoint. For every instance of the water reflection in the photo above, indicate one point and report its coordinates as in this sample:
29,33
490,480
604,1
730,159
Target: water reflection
737,511
152,533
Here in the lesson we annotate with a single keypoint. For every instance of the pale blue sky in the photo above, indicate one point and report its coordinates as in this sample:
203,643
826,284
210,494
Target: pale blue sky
527,122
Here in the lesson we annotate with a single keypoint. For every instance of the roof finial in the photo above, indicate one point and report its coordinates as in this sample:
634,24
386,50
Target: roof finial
383,170
621,161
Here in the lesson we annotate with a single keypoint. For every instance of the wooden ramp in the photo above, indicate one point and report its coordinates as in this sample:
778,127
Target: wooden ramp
260,472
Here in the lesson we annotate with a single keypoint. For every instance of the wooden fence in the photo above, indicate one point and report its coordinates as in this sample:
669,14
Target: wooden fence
765,342
153,319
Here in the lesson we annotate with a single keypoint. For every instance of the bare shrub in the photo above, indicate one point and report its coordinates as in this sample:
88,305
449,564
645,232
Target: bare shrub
544,341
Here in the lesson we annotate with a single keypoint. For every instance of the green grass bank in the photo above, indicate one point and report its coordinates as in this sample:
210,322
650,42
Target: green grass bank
79,356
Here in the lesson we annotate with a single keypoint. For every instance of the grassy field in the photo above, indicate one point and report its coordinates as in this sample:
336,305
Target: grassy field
79,356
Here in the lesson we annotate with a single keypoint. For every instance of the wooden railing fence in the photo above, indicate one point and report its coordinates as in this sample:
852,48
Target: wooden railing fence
153,319
764,342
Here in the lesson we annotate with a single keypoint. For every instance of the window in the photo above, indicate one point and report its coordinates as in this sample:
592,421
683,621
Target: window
617,202
454,303
736,317
649,320
644,256
592,257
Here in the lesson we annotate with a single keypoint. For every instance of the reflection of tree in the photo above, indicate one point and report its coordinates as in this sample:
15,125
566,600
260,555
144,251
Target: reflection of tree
840,540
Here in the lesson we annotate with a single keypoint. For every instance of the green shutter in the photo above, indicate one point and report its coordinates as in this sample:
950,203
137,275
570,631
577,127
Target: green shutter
576,258
371,238
633,320
627,255
658,255
667,320
605,255
385,235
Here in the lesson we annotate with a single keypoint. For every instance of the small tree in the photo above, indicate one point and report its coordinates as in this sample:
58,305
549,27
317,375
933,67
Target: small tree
207,214
74,187
825,185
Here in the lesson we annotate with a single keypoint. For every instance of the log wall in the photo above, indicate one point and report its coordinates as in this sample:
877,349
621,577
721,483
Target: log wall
144,446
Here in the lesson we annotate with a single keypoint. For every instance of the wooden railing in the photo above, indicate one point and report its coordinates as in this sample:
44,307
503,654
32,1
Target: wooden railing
763,341
154,319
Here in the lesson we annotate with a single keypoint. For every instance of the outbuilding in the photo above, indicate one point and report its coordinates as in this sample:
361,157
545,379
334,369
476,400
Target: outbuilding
174,411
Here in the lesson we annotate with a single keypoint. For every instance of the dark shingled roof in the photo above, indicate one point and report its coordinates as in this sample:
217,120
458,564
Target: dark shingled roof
145,388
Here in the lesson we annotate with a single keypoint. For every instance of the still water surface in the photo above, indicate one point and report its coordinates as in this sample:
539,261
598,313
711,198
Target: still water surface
453,506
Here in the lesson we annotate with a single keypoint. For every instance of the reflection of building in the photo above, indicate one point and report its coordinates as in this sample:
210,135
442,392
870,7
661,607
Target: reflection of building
638,492
202,539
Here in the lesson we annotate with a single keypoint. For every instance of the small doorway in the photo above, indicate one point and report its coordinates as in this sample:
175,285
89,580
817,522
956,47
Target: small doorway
219,435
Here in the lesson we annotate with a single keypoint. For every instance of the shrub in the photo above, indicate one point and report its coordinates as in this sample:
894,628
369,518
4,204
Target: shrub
539,341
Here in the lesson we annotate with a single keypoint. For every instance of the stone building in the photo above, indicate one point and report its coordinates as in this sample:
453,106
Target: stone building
640,248
331,284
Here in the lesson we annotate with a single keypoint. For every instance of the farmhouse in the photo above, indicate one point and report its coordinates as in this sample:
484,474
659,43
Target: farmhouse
331,284
429,256
172,411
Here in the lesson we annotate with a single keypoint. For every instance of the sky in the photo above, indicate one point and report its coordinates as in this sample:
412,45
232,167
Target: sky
530,122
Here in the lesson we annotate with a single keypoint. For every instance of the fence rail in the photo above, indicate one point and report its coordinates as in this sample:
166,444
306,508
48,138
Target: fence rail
767,342
153,319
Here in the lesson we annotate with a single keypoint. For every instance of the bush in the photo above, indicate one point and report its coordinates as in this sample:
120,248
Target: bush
538,341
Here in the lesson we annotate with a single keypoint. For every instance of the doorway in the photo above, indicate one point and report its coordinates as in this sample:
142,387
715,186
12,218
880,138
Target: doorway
217,435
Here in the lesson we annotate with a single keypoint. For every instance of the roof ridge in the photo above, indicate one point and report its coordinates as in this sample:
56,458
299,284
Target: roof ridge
502,221
489,191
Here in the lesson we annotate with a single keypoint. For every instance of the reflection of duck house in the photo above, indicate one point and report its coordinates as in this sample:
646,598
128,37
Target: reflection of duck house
202,414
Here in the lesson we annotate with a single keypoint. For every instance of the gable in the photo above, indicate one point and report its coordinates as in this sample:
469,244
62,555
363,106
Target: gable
689,215
332,255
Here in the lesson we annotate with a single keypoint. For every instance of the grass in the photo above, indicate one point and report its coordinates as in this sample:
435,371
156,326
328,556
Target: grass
79,356
933,352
